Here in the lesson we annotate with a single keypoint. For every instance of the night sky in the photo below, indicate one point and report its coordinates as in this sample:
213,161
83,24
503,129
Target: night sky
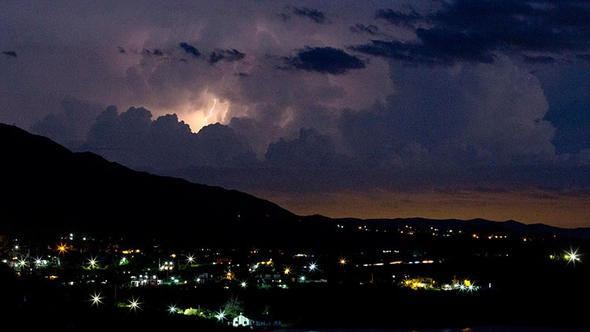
442,109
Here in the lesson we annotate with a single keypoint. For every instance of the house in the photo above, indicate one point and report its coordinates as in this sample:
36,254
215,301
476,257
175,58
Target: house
241,321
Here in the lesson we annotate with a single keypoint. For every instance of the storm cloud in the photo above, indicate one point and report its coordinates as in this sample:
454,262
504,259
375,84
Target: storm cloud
314,15
135,139
325,60
476,31
190,49
10,53
367,95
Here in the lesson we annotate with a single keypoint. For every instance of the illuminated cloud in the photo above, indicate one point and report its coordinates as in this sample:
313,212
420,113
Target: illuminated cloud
389,95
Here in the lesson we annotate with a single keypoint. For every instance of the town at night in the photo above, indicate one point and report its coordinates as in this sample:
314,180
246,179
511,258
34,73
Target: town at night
403,271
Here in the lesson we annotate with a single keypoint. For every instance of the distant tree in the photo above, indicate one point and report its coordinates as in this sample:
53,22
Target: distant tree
233,307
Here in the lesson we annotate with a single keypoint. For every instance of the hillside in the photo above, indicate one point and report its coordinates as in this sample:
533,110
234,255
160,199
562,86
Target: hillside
46,187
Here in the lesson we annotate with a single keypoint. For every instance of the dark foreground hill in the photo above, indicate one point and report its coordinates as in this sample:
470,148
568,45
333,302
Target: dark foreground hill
46,187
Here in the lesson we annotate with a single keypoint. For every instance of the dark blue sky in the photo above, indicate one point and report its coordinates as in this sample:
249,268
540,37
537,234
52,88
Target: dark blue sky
321,105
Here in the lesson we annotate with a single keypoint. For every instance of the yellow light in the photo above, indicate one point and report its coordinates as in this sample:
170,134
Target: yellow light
62,248
211,109
287,270
342,261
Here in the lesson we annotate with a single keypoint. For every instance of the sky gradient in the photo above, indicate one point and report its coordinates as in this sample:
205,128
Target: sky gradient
443,109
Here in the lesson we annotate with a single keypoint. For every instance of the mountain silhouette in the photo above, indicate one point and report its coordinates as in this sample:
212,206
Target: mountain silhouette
47,188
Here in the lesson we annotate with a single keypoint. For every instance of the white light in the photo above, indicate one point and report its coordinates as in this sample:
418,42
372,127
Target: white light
190,258
92,262
172,309
243,284
220,315
572,256
22,263
313,266
96,299
134,304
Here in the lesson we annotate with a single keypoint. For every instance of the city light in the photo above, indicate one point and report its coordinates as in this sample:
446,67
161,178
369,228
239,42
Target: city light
243,284
167,266
21,263
220,315
93,262
62,248
172,309
313,267
123,261
342,261
572,256
190,259
134,304
286,271
96,299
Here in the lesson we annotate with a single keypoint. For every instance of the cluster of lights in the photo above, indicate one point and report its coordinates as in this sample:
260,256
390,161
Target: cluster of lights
167,266
465,286
134,304
96,299
570,256
40,262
